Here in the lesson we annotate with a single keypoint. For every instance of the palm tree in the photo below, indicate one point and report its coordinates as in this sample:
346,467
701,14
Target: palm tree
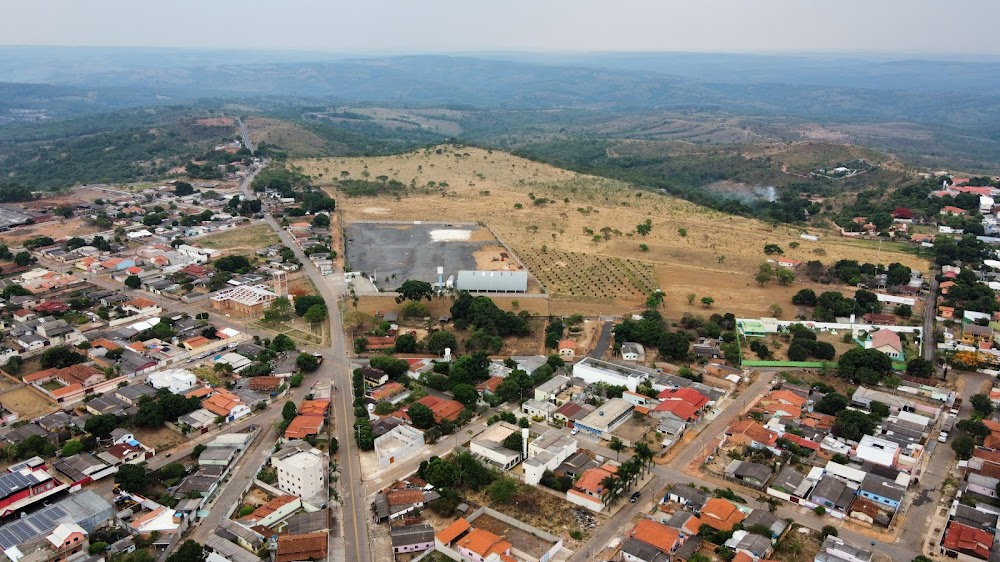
610,485
617,446
643,451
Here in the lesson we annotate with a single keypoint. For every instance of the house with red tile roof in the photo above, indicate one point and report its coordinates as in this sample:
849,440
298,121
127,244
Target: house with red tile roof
309,546
489,386
304,426
721,514
226,404
77,381
749,432
887,342
567,348
953,211
265,384
656,535
588,490
195,343
962,539
451,533
442,409
317,407
480,544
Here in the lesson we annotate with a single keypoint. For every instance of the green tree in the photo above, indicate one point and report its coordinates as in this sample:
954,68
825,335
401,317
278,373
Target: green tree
644,228
59,357
391,366
189,551
771,249
805,297
466,394
406,343
421,416
133,282
981,404
440,340
315,314
691,297
101,425
764,274
675,345
853,425
964,445
71,448
617,445
289,411
831,403
784,276
414,290
281,342
321,221
279,311
414,309
707,301
306,362
502,490
305,302
132,477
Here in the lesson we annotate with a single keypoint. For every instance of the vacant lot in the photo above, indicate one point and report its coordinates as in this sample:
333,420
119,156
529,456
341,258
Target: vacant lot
27,402
159,439
241,239
539,210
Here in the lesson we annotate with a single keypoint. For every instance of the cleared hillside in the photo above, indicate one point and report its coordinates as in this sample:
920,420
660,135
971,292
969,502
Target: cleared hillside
569,227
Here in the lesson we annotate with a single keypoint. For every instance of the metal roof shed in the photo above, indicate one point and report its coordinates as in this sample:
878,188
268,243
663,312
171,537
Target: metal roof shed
493,281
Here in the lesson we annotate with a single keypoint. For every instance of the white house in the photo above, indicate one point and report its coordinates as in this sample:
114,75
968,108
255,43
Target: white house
177,381
632,351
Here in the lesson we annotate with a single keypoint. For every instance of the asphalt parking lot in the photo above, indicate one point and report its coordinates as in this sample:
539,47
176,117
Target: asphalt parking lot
411,251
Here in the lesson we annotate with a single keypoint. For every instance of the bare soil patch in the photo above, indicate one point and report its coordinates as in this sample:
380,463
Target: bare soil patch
28,403
216,122
161,438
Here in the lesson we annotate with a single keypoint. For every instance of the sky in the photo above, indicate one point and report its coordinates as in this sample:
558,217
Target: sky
445,26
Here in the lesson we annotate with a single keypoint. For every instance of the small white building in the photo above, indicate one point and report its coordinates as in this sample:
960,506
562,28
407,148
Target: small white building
632,351
177,381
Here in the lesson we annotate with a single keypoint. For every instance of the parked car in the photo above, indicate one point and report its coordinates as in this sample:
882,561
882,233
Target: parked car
943,436
634,497
575,431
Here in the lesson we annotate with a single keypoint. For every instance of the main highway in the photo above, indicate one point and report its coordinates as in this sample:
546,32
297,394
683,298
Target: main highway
355,513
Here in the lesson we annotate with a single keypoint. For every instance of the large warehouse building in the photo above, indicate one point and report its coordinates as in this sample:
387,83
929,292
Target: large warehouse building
492,281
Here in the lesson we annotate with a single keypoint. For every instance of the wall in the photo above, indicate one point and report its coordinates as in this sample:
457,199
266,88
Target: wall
557,542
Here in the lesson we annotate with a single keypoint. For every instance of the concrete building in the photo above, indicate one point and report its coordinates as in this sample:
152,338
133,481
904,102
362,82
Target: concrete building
492,281
606,418
177,381
489,446
302,473
547,453
592,370
398,443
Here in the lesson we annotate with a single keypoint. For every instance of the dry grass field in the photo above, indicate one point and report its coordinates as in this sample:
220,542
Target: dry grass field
282,133
241,239
550,216
27,402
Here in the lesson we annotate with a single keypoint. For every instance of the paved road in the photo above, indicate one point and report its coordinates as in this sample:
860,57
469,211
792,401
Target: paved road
603,341
247,142
930,308
357,541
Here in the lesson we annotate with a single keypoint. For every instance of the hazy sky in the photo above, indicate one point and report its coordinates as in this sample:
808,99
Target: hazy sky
421,26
